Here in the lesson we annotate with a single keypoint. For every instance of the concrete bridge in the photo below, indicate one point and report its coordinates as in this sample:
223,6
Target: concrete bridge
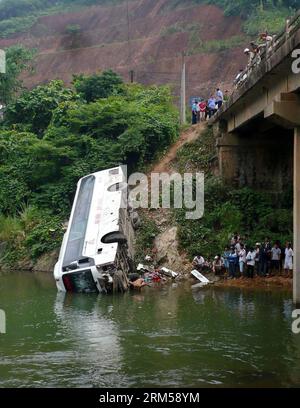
258,129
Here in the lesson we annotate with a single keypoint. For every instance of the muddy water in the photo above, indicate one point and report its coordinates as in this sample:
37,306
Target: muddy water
167,336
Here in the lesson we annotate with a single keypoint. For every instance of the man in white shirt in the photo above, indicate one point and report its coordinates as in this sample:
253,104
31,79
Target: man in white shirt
251,263
242,258
275,258
199,262
219,98
288,263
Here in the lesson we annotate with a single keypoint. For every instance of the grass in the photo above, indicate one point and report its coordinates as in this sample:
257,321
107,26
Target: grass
213,46
181,27
271,20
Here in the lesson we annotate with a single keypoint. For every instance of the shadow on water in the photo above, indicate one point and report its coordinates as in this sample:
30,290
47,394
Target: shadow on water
169,336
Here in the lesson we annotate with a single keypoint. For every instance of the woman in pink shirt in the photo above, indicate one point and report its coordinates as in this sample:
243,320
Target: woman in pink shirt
202,106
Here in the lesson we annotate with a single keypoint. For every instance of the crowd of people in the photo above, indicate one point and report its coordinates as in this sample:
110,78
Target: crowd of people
204,109
246,261
254,53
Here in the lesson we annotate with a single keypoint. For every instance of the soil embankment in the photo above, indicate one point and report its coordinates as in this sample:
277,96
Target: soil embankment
158,35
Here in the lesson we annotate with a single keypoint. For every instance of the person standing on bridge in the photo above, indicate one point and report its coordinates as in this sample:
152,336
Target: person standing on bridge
251,56
219,98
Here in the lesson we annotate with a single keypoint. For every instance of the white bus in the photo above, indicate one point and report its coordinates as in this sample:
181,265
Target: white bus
97,250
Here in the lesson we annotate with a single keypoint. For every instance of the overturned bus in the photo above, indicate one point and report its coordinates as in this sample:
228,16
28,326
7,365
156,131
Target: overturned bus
97,250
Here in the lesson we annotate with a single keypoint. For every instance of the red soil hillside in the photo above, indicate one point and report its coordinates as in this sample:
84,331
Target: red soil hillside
158,36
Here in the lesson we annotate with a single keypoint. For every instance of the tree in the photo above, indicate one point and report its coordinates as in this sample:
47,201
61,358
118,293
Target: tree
18,60
73,29
34,109
98,86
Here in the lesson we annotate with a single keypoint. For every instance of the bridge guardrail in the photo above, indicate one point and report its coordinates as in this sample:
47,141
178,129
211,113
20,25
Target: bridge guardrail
271,47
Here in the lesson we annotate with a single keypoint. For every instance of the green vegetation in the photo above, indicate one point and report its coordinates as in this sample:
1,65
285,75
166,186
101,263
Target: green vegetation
181,27
18,59
53,135
145,237
271,20
17,16
213,46
260,15
16,25
254,214
73,29
96,86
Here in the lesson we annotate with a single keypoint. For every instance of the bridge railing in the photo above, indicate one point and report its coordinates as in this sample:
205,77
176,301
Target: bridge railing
292,25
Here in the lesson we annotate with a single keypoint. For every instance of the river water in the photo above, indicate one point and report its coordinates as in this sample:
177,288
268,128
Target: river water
168,336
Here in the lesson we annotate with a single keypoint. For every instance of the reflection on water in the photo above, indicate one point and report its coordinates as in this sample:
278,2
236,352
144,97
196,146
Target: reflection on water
170,336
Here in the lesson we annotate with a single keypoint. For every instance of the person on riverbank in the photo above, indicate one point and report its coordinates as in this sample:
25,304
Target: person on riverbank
275,259
199,263
218,266
225,257
257,265
288,263
251,263
265,257
242,259
233,261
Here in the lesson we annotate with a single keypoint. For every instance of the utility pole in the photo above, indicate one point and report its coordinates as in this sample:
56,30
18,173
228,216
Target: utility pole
131,76
131,72
183,93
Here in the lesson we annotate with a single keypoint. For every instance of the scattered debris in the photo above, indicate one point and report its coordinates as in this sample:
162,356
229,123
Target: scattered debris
148,275
143,268
200,277
169,273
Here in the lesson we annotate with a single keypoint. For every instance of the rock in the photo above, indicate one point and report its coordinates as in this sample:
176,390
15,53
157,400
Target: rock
46,262
167,253
24,265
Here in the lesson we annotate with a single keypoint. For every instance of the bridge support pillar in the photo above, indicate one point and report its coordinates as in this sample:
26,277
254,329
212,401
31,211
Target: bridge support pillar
296,280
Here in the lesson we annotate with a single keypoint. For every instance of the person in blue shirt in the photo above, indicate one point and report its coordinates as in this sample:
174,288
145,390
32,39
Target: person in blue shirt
194,113
233,261
225,256
211,106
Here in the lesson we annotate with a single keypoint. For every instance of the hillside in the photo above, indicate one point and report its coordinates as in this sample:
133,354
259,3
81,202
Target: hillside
96,38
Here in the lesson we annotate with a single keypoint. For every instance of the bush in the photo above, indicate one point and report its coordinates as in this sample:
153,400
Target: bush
145,237
253,214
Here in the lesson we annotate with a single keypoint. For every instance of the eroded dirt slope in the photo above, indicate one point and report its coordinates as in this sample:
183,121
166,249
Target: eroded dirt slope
158,36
